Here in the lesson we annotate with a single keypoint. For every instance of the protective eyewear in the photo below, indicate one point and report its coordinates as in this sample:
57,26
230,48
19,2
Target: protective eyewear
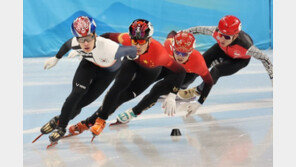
183,54
139,41
227,37
87,39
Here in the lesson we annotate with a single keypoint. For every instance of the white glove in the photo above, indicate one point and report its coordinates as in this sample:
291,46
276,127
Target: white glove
192,108
50,62
182,106
169,104
73,54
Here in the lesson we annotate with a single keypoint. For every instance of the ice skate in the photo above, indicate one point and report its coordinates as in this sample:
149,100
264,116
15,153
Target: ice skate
48,127
55,136
124,117
77,129
98,127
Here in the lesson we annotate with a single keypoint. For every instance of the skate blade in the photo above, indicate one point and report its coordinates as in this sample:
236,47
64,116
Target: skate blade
37,138
52,144
92,139
69,135
116,123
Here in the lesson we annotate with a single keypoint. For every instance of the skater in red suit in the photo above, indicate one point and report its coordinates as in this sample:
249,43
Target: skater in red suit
231,53
137,75
180,47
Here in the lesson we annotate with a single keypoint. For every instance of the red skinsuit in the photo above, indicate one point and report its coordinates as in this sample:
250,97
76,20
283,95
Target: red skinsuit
154,57
234,51
195,64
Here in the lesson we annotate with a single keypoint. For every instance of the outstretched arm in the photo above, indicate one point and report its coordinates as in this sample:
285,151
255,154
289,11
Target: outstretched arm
129,51
113,36
205,30
208,80
64,49
49,63
258,54
189,79
193,106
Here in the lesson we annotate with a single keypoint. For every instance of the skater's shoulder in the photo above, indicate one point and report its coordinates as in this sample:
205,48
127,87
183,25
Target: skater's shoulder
244,40
101,41
156,46
195,54
154,42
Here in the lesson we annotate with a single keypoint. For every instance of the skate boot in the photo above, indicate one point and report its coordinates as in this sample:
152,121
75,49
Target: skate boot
56,135
188,93
48,127
78,128
126,116
98,127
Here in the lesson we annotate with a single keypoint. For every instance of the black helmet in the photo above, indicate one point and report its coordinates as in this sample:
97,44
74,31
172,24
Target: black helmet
140,29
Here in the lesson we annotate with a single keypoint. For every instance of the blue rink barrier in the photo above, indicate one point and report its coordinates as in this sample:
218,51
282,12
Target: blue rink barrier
46,24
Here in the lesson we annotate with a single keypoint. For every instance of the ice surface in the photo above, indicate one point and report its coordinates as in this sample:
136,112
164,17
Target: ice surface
233,128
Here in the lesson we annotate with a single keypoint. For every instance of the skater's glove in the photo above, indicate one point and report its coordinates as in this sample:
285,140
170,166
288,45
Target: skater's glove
73,54
182,106
192,107
50,62
188,93
169,104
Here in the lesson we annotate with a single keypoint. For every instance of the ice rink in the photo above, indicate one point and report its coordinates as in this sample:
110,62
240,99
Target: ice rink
232,129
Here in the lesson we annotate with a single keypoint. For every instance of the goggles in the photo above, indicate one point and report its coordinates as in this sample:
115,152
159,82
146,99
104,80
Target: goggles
86,38
139,41
183,54
227,37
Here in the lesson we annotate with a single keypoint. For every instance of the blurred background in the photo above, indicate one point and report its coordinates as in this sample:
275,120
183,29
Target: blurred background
46,24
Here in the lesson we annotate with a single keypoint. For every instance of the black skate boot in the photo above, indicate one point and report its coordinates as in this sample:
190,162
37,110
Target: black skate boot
48,127
56,135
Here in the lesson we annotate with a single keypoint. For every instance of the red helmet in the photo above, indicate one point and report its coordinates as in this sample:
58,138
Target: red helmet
140,29
229,25
184,42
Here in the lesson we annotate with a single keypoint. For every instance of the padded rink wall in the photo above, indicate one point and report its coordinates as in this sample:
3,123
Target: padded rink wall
46,23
